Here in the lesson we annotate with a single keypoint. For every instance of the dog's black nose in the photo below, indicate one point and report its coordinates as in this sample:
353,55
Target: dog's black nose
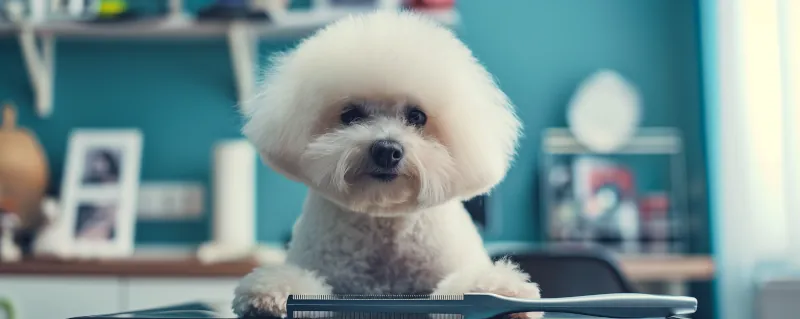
386,153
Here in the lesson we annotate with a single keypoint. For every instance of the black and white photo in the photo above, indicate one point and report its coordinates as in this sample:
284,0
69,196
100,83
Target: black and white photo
102,166
100,191
96,221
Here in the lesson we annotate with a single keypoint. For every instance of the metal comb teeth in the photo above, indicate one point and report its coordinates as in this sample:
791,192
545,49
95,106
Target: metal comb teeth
370,315
377,297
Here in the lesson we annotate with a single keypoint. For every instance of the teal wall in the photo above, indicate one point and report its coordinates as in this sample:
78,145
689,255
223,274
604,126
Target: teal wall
181,94
712,112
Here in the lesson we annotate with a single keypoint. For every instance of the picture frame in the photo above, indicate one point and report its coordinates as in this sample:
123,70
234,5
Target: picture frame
99,192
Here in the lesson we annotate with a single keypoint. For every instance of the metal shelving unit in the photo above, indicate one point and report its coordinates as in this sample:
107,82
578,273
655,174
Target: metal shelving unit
654,141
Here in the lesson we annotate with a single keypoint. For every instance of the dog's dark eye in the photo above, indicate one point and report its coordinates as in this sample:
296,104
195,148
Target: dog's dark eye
352,114
416,117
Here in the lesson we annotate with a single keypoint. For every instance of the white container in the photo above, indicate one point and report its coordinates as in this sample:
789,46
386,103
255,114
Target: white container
234,194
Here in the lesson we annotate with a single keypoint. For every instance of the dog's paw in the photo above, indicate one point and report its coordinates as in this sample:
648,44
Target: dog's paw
260,305
263,293
503,278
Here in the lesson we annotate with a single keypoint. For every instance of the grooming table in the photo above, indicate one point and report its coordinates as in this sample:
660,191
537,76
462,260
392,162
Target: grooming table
201,310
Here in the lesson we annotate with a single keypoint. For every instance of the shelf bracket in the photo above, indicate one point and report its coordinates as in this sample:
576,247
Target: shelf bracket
243,45
40,64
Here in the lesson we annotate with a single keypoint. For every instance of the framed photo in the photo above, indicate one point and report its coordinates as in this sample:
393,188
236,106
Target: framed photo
99,191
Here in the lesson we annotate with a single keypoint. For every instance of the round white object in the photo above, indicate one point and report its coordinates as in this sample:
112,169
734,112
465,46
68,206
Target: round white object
604,112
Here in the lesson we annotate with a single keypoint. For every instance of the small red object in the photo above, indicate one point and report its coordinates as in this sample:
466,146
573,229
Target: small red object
430,4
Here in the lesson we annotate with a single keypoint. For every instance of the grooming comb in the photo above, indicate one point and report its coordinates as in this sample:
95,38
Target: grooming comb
485,305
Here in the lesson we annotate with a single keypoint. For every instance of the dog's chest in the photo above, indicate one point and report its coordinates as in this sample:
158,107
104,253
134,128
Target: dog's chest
378,258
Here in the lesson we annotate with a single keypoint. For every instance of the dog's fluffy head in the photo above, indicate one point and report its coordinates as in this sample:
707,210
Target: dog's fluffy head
384,113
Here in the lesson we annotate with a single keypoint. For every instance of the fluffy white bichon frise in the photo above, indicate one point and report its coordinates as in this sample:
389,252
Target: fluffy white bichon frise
391,122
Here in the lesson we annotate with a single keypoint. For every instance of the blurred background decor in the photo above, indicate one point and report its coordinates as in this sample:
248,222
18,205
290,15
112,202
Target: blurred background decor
231,10
112,11
9,250
234,227
632,200
24,176
99,191
7,310
351,4
604,112
52,240
607,181
429,4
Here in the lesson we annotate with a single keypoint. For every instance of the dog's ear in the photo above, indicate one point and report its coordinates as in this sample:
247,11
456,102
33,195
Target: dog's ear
478,124
279,119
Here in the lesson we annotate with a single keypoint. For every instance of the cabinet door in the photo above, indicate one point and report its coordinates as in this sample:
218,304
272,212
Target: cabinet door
43,297
144,293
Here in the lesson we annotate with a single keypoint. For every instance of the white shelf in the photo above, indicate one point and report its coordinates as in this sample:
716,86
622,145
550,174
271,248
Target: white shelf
648,140
289,25
154,28
38,45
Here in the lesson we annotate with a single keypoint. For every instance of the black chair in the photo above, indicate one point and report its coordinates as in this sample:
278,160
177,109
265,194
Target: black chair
567,270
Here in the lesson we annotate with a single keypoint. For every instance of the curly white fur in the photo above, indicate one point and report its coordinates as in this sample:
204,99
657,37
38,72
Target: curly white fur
360,233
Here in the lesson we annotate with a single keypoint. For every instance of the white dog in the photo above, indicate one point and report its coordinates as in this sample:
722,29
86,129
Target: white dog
391,123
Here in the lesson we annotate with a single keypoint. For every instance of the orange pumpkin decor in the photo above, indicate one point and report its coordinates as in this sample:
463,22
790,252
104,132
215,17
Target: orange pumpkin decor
23,171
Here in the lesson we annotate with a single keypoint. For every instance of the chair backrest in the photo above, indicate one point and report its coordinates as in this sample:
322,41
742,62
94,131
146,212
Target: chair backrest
567,271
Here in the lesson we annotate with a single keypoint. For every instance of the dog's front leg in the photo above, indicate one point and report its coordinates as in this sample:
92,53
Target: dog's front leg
502,278
264,291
